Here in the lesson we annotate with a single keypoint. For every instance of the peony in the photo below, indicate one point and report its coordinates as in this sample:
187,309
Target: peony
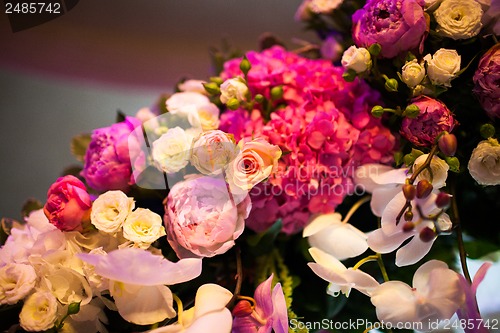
143,227
16,281
397,26
484,163
68,204
212,152
110,210
486,80
233,88
357,59
458,19
39,312
254,163
107,161
412,73
172,150
442,66
434,118
201,218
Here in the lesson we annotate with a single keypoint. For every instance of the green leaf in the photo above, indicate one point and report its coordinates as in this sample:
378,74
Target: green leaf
29,206
398,158
79,145
263,242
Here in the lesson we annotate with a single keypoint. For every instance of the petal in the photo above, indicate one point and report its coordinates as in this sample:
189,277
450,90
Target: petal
263,298
328,275
321,222
121,265
395,302
444,293
364,175
341,241
326,260
389,216
413,251
280,315
394,176
479,277
210,297
382,196
213,322
421,277
363,282
379,242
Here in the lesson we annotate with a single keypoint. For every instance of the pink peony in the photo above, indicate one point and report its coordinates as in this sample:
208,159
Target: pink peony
397,25
201,218
434,118
486,80
107,161
68,204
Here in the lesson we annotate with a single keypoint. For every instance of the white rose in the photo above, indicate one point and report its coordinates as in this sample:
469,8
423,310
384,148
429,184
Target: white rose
179,101
193,86
207,117
442,66
39,312
143,227
16,281
172,150
212,152
412,73
439,171
324,6
110,210
484,164
458,19
233,88
357,59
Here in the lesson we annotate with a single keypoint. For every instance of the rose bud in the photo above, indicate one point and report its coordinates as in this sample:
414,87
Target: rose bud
448,144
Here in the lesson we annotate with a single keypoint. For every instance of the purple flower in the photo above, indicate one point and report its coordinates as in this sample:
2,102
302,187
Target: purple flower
486,79
107,161
434,118
270,312
396,25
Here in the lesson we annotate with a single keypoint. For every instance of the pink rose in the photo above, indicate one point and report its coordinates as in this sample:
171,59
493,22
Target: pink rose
434,118
201,218
486,81
397,26
68,204
107,161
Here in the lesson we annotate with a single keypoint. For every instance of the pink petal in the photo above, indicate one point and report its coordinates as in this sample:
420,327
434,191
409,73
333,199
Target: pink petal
280,315
413,251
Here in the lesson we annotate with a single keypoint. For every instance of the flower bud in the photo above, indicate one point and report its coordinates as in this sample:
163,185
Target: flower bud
412,73
408,215
409,191
448,144
375,49
233,104
443,200
349,75
412,111
391,85
212,88
453,163
245,65
259,98
242,309
377,111
357,59
277,92
487,131
217,80
424,188
74,308
408,226
427,234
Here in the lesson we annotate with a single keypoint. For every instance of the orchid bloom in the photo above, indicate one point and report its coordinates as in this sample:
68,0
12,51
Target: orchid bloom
469,310
340,239
341,278
436,295
140,295
270,312
209,313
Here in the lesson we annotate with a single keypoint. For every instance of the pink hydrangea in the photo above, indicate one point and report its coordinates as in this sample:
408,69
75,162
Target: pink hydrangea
325,131
397,25
434,118
486,80
107,161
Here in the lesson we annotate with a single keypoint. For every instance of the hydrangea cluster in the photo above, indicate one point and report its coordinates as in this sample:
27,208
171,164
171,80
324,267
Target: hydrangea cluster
324,128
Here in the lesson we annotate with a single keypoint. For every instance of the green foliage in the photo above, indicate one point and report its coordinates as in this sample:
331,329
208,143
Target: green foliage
79,145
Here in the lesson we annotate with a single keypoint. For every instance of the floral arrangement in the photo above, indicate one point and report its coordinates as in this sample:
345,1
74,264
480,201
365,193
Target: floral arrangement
239,203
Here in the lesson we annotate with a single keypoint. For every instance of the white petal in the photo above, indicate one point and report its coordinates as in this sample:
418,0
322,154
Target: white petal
214,322
122,265
321,222
341,241
327,274
382,196
394,176
421,277
395,302
143,305
363,282
445,294
390,214
412,252
380,242
326,260
209,298
364,175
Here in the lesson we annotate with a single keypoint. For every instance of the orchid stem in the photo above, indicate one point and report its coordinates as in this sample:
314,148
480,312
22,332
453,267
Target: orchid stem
365,260
355,207
239,279
381,264
180,309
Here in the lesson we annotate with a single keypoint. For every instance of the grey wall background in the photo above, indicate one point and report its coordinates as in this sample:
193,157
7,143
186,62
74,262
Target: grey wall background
70,75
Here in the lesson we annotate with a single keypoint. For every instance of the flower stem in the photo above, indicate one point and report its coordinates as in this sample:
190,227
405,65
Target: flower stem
381,264
355,207
365,260
239,279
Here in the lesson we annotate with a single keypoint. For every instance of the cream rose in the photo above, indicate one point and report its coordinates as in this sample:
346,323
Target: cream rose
324,6
172,150
412,73
459,19
193,86
484,163
233,88
16,281
143,227
212,152
39,312
442,66
357,59
439,171
110,210
254,163
66,284
208,117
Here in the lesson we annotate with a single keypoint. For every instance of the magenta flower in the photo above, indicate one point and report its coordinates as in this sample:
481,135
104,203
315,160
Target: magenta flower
270,312
107,161
434,118
397,26
486,81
